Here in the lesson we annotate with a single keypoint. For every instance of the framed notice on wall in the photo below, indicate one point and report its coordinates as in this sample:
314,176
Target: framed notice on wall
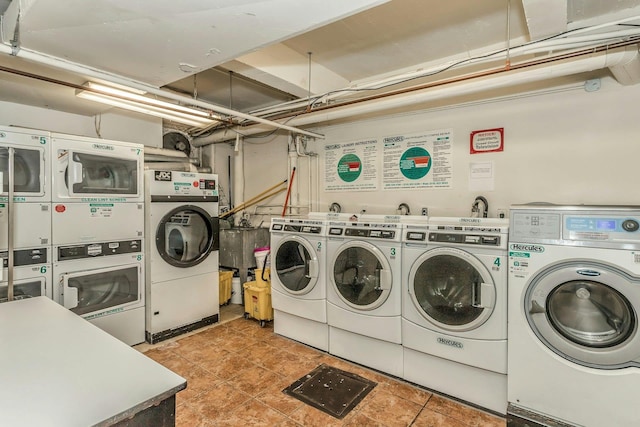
487,141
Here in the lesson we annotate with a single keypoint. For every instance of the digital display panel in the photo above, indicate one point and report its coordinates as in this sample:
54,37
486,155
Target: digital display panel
606,224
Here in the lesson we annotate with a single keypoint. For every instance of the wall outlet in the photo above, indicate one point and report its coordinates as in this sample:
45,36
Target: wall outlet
503,213
424,212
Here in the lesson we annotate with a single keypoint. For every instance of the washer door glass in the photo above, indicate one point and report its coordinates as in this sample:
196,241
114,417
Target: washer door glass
27,171
362,275
452,289
296,265
586,313
94,174
590,313
186,235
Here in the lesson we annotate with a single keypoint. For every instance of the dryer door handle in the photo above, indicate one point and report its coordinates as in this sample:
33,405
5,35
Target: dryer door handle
312,269
75,172
482,295
70,295
384,279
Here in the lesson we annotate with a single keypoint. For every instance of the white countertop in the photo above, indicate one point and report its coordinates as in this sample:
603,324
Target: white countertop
57,369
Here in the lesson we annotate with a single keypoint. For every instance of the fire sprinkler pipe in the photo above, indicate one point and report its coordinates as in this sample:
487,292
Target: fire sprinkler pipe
494,79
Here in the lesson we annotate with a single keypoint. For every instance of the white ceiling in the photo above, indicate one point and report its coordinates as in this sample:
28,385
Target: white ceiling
278,50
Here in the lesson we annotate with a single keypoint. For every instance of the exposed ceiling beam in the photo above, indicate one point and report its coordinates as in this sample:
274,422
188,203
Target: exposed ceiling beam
545,17
285,69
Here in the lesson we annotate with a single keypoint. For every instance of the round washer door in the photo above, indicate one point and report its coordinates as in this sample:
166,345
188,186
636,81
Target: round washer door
585,313
186,235
296,265
361,275
452,289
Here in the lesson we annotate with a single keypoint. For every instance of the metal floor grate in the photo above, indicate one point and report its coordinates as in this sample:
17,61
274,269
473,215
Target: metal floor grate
331,390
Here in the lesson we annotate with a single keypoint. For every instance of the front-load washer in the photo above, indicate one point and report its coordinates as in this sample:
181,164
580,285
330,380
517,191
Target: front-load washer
574,299
97,190
103,282
364,293
454,308
182,234
298,280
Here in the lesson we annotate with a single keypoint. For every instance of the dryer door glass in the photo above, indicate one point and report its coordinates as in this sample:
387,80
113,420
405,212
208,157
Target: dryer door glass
23,290
590,313
293,260
186,235
94,174
447,289
357,273
27,171
98,290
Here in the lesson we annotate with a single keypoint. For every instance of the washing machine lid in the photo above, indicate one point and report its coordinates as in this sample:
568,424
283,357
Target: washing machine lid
452,289
361,275
585,313
296,265
186,235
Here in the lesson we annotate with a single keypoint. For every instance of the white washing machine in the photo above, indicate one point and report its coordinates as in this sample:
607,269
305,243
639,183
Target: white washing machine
25,217
364,293
104,284
97,190
574,301
298,280
182,234
454,308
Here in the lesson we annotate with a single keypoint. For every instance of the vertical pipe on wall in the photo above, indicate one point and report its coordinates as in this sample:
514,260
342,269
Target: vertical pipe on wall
293,165
238,173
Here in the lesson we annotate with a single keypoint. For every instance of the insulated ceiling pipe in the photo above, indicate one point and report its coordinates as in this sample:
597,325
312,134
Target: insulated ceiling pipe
79,69
498,79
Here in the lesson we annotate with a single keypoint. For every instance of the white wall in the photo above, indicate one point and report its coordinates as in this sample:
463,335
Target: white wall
141,129
571,147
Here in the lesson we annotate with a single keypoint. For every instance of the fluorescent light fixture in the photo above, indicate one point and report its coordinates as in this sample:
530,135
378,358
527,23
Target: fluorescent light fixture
142,104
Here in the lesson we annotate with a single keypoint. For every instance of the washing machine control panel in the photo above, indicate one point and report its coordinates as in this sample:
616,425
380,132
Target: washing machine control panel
469,239
553,227
370,233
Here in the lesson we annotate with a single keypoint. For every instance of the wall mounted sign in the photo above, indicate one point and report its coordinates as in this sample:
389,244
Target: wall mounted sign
351,166
487,140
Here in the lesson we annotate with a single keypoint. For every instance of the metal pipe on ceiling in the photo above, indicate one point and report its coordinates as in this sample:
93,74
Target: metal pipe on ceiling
533,71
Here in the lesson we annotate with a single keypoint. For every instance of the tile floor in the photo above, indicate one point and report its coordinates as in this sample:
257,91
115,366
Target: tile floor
236,372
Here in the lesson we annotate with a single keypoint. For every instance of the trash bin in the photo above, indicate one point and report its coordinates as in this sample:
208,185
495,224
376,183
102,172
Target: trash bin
257,302
224,283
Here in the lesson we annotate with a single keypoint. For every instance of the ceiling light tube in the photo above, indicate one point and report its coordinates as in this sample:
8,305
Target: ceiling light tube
142,104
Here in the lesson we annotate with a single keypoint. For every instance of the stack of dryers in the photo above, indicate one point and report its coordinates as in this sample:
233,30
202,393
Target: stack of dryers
182,232
454,309
364,292
25,215
298,279
98,228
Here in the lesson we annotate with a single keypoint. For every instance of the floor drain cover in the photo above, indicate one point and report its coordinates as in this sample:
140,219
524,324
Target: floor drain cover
331,390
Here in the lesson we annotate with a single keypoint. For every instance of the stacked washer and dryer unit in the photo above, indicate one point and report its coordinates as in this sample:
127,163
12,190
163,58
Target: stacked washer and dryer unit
25,213
454,308
182,235
574,305
98,231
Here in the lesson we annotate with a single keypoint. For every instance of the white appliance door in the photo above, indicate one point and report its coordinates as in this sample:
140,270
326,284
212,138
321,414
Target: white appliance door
586,312
23,289
91,292
452,289
28,171
362,275
296,265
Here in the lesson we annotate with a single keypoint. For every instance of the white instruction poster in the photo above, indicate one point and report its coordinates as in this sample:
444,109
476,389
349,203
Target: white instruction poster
419,160
351,166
